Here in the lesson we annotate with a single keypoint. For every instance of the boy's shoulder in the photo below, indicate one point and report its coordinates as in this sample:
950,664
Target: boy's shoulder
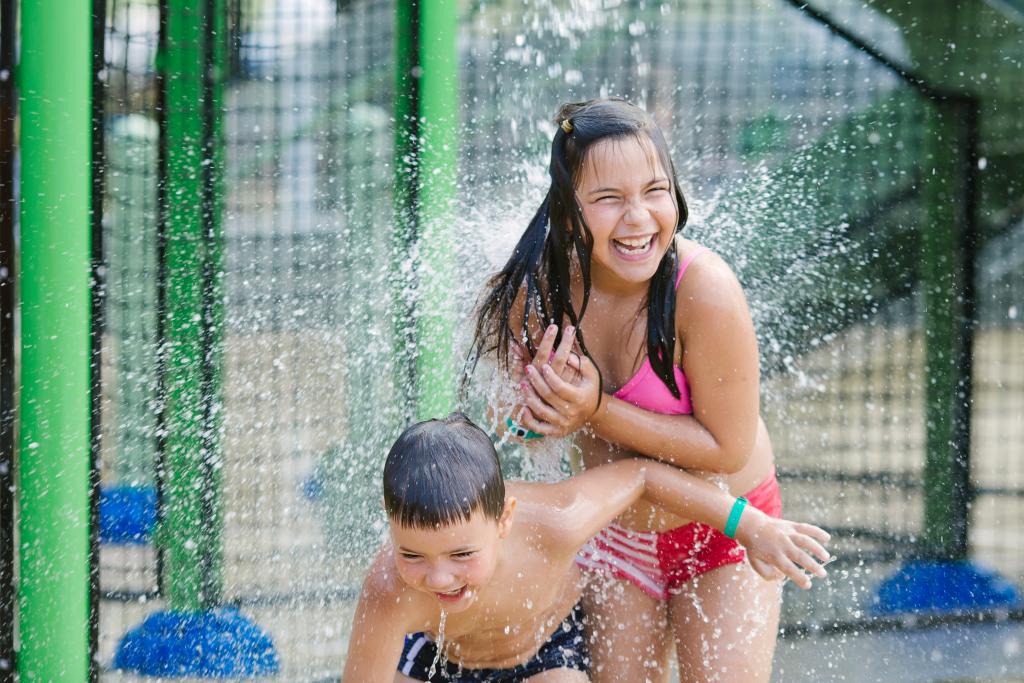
385,589
543,514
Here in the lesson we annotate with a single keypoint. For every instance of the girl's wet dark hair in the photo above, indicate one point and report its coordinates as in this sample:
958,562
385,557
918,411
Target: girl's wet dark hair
541,260
439,472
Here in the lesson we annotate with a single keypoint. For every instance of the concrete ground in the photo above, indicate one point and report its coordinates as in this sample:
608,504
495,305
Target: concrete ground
980,653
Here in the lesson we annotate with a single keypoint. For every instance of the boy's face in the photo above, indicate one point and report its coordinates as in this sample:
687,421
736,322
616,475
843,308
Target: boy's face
451,563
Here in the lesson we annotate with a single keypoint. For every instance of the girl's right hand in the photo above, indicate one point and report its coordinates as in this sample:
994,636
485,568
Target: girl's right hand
562,389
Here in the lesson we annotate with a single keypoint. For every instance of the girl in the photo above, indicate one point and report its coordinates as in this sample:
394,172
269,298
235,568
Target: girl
654,355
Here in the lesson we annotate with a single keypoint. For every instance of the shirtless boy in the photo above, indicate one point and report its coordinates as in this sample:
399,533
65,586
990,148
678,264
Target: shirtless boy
488,573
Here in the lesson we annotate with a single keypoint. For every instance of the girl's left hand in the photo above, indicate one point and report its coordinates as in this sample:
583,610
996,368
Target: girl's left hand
778,548
555,406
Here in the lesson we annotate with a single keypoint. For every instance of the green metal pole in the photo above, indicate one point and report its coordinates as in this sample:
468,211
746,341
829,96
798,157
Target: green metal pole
406,193
191,523
8,308
438,162
945,513
56,84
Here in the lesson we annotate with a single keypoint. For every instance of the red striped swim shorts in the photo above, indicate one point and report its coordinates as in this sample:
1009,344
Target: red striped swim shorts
662,563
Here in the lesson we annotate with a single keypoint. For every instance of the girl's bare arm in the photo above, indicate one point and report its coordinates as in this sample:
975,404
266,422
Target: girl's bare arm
720,360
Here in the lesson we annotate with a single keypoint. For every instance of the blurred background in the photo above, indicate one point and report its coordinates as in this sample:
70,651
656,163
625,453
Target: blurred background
289,196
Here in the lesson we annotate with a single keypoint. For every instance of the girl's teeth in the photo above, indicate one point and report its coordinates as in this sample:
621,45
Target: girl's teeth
634,244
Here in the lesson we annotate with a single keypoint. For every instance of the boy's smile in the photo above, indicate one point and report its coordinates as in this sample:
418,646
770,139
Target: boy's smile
454,561
453,597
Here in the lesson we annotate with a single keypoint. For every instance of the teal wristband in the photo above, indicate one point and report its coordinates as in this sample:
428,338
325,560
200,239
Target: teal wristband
520,431
734,517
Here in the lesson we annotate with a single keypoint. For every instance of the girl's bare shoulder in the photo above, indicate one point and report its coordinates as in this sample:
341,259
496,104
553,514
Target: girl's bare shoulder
709,285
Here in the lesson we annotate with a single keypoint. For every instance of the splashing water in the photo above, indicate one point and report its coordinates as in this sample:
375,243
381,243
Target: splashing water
311,349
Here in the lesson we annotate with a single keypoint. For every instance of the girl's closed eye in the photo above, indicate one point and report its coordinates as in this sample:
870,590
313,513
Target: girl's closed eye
464,555
409,557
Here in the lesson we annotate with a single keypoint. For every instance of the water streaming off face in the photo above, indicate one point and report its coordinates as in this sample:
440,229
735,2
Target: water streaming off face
440,657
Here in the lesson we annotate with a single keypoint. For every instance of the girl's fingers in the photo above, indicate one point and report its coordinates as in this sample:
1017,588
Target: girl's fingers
574,364
543,389
541,410
561,354
587,368
812,546
793,572
765,570
547,343
801,558
528,420
560,387
814,532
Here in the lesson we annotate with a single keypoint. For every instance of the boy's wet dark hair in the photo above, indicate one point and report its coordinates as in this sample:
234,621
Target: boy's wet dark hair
542,260
439,472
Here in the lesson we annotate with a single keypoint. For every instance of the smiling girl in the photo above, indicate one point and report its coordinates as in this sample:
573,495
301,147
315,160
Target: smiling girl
655,356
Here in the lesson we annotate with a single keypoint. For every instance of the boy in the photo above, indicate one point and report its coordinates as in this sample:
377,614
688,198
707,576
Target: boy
485,578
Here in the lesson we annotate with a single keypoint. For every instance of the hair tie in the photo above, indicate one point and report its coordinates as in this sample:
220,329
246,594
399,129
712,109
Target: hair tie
566,126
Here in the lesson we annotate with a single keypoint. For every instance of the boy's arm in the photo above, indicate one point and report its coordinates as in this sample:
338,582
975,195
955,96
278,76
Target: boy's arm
378,633
592,499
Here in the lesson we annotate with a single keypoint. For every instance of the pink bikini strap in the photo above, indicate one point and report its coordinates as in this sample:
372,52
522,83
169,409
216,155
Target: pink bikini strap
686,263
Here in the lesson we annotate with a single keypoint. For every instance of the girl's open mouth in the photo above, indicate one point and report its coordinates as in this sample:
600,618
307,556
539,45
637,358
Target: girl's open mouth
634,247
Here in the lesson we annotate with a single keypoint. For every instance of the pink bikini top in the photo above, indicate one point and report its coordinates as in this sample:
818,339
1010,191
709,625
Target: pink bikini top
646,390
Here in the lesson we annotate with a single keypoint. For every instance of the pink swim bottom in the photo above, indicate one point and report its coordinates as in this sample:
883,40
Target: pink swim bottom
662,563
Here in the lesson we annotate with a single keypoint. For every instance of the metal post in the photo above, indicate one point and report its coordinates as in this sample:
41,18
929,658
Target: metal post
947,244
191,523
98,322
964,493
438,162
56,83
426,160
406,194
8,280
197,635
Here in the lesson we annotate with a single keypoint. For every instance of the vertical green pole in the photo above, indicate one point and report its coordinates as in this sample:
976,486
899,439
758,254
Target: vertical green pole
438,165
192,516
406,193
945,474
56,84
8,307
